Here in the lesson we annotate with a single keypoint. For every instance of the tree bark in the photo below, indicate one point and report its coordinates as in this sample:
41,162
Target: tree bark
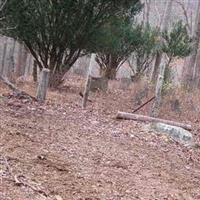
147,11
162,65
108,65
11,62
196,74
158,92
35,73
189,68
3,61
143,118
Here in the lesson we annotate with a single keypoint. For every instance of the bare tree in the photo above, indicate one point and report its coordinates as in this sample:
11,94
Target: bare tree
164,26
189,68
146,11
162,66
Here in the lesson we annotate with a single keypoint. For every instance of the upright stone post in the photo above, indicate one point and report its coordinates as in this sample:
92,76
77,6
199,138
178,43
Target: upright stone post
43,85
88,81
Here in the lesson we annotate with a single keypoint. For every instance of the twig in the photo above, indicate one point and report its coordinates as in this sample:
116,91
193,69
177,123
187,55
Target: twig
185,14
17,181
138,108
81,94
2,5
16,90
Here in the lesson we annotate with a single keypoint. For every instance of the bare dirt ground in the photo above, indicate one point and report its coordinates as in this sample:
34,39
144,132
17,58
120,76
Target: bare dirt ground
57,151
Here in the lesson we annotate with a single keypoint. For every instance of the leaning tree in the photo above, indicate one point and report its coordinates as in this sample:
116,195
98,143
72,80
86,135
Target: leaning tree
175,43
57,32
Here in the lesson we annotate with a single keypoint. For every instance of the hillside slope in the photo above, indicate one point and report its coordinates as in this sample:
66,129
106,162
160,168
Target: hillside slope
58,151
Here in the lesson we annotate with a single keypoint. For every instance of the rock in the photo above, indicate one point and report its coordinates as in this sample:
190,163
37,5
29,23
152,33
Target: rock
178,134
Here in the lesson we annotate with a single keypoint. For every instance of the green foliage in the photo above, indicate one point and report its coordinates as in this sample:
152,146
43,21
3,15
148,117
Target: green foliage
118,38
57,32
177,42
146,50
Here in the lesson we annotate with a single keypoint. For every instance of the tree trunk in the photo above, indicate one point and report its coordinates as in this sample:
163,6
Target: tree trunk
196,74
164,27
155,68
35,69
3,61
109,73
147,11
189,67
162,66
110,69
11,62
158,93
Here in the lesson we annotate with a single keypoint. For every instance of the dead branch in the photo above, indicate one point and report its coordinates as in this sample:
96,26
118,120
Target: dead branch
2,5
81,94
17,179
143,118
138,108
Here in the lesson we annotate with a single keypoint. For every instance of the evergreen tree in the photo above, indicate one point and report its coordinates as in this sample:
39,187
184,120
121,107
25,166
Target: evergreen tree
58,32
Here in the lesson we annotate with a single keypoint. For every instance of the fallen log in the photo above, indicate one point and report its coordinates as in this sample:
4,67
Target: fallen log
143,118
16,90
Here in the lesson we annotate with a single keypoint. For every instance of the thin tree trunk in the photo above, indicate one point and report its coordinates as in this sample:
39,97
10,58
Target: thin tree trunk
11,62
35,71
189,67
155,68
164,27
147,11
110,71
158,93
196,74
3,63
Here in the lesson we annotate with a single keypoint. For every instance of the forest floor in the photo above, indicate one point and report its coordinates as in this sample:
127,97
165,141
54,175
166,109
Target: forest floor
57,151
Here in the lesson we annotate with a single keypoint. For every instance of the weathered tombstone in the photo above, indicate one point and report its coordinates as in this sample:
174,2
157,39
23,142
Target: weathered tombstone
43,85
125,83
88,81
175,106
98,83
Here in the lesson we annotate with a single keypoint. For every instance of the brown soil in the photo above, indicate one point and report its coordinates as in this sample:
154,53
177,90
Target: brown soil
57,151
